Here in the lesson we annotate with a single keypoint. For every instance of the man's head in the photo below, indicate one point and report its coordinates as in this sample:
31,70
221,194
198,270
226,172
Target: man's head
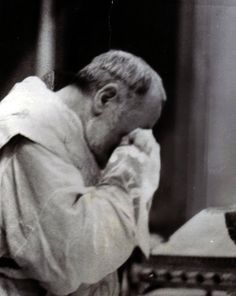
123,93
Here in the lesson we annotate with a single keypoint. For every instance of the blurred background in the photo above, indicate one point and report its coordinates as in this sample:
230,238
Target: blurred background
190,43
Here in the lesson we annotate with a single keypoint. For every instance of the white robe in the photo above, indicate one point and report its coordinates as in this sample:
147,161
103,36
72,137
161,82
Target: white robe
67,225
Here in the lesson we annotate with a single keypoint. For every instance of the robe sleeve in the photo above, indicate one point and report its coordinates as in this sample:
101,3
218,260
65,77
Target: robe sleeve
60,232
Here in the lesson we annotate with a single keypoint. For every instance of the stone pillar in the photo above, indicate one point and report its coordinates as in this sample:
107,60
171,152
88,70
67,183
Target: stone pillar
221,124
206,104
45,60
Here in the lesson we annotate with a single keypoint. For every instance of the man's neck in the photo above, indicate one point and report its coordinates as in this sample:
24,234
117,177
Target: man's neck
71,96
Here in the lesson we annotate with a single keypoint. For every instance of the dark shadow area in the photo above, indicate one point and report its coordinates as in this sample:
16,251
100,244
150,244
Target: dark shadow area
19,25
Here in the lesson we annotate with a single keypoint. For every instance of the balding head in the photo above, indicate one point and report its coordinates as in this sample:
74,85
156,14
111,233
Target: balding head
114,66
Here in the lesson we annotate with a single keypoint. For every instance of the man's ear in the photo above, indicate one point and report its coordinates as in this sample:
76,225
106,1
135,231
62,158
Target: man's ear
103,96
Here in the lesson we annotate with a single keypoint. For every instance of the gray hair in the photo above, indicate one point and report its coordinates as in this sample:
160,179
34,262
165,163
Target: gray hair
116,65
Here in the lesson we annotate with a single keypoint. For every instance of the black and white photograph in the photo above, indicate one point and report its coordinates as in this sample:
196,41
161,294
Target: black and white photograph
118,148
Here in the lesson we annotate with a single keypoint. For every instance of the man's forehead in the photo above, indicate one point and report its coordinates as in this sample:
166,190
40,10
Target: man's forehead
153,102
155,94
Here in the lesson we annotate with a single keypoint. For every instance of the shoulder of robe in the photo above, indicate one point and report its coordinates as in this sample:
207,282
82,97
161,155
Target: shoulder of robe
34,111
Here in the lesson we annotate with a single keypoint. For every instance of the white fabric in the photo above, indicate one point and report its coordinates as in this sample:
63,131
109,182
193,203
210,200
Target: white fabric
65,225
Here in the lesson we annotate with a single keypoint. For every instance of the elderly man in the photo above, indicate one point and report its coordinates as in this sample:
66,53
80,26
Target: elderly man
77,177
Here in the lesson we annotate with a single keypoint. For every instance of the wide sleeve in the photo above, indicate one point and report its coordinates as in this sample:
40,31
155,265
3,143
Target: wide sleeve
59,231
